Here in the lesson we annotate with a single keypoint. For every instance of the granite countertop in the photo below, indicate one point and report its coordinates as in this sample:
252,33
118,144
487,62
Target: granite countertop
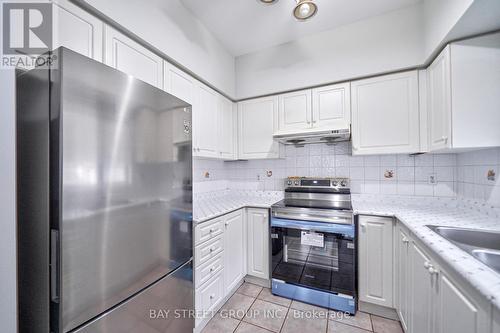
414,212
209,205
417,212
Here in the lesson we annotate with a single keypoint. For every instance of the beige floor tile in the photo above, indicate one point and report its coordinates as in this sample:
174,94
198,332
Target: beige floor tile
266,295
299,322
361,319
220,324
336,327
266,315
236,306
249,289
249,328
383,325
318,311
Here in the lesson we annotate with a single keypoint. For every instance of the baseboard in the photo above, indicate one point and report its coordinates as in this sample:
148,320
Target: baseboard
223,301
258,281
378,310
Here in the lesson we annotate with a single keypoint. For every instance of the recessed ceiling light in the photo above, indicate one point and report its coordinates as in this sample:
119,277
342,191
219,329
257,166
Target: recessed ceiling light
305,9
268,2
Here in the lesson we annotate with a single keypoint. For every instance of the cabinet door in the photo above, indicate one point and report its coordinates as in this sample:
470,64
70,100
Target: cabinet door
439,105
403,278
256,125
422,292
234,251
457,312
205,123
132,58
258,243
227,129
77,30
385,114
331,106
179,83
376,260
294,111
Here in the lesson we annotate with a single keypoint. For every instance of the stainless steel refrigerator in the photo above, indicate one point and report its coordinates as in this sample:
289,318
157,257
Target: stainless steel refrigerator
104,173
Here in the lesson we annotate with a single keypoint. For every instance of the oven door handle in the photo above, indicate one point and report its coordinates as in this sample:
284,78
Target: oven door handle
347,230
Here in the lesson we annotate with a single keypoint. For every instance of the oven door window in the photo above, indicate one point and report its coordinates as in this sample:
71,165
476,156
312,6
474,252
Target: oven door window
319,260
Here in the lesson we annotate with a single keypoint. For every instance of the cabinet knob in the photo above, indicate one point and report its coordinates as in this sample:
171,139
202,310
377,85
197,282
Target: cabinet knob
211,230
363,226
444,138
427,265
405,240
212,269
226,224
212,296
212,249
432,270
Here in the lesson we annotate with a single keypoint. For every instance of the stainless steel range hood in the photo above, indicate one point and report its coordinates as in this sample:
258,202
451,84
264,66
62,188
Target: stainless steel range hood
303,138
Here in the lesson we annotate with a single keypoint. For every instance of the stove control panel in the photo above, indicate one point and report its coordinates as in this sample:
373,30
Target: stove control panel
307,182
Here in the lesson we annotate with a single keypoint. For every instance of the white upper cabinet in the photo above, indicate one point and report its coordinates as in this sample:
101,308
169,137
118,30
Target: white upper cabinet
326,107
205,123
385,114
294,111
132,58
178,83
331,106
256,125
77,30
227,129
463,98
439,101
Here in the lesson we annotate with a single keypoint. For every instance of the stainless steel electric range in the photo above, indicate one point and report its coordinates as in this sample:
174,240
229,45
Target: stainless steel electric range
313,243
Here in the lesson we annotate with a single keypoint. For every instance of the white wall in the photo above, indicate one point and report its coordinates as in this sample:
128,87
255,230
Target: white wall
8,308
173,30
384,43
440,16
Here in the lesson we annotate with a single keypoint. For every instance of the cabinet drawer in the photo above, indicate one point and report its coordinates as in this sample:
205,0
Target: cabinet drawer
207,251
208,230
204,272
208,296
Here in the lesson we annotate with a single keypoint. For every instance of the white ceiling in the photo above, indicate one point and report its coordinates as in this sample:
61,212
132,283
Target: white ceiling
245,26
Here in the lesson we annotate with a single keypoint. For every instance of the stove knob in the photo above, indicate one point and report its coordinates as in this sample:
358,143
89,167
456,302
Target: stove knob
335,183
296,183
343,183
289,183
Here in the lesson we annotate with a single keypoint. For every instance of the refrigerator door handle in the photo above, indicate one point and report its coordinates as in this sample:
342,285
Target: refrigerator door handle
54,265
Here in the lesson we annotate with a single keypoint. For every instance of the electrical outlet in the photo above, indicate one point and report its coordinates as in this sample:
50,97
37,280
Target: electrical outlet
432,179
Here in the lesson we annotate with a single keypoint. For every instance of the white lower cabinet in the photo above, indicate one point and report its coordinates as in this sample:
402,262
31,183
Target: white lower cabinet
376,260
258,242
208,297
403,276
222,248
421,291
234,249
429,297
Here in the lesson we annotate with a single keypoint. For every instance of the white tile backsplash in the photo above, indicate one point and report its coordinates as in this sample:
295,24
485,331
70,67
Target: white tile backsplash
464,174
472,175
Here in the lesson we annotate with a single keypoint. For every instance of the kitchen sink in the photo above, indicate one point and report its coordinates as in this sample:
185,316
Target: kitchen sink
483,245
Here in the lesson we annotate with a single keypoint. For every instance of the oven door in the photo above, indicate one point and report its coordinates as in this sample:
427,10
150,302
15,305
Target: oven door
314,254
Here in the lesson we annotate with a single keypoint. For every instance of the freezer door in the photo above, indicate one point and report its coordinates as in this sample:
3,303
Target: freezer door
124,188
164,307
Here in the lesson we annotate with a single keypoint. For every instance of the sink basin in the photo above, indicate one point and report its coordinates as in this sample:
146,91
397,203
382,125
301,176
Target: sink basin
489,258
483,245
470,237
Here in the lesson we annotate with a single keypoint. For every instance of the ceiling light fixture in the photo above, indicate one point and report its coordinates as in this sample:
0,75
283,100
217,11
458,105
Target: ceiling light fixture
304,9
268,2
